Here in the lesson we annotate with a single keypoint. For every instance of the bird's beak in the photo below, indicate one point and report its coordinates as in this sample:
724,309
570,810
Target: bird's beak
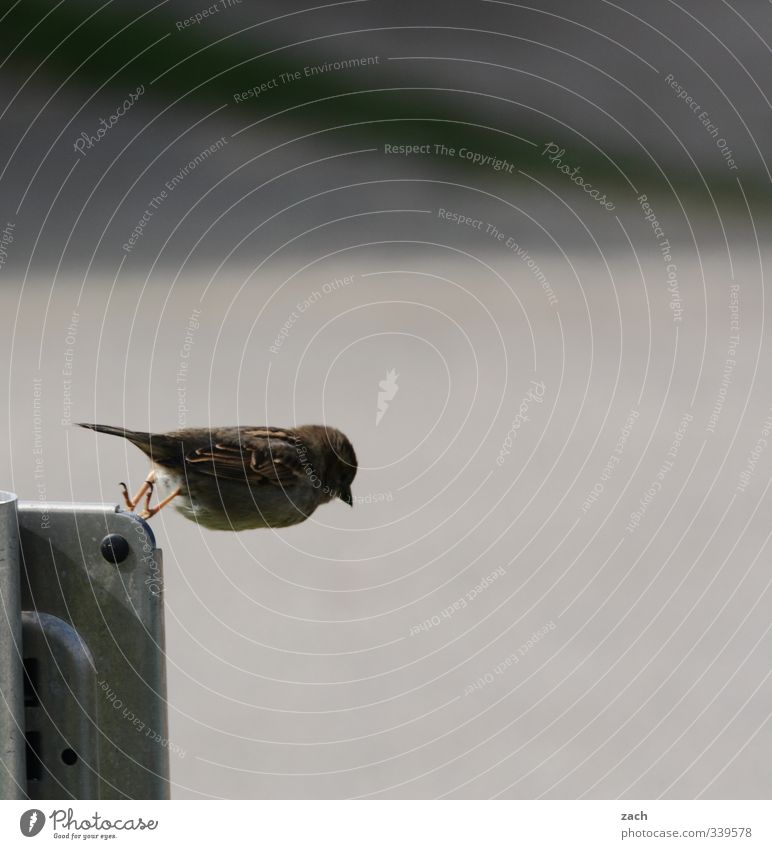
347,497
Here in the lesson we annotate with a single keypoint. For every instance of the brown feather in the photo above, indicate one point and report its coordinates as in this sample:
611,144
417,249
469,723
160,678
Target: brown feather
263,456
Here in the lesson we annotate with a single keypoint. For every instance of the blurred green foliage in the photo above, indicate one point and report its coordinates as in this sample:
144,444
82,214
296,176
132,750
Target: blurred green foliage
191,68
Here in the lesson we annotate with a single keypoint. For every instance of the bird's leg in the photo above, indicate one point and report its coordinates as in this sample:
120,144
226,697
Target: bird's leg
131,503
148,496
149,511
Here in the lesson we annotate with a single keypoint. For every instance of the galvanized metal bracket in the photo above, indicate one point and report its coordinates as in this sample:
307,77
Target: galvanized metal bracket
12,771
90,675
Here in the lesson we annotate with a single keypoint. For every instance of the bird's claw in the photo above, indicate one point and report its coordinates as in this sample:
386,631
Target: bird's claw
147,486
125,492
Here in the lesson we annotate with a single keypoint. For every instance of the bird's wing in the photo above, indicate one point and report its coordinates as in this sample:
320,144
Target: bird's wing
255,456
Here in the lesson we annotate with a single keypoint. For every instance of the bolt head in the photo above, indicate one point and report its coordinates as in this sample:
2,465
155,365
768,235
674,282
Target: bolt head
114,548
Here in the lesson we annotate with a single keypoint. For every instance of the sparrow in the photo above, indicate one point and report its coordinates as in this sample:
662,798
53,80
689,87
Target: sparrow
239,478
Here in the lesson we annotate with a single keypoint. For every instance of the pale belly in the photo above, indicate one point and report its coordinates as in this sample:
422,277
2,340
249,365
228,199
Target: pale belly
236,507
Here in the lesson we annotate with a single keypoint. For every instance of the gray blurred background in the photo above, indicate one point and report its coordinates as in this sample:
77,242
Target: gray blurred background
555,579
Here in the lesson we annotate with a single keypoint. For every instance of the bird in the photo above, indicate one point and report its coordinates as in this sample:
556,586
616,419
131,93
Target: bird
240,478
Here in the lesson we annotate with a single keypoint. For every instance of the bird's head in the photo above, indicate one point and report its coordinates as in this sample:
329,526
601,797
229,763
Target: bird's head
341,466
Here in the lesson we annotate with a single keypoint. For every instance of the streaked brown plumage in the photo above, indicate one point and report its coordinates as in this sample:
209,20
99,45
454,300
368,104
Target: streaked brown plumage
237,478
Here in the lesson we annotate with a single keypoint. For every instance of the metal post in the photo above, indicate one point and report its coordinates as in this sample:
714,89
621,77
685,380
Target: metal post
82,659
12,744
92,592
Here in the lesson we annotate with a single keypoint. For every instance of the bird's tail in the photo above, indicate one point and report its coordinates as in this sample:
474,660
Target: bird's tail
136,437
